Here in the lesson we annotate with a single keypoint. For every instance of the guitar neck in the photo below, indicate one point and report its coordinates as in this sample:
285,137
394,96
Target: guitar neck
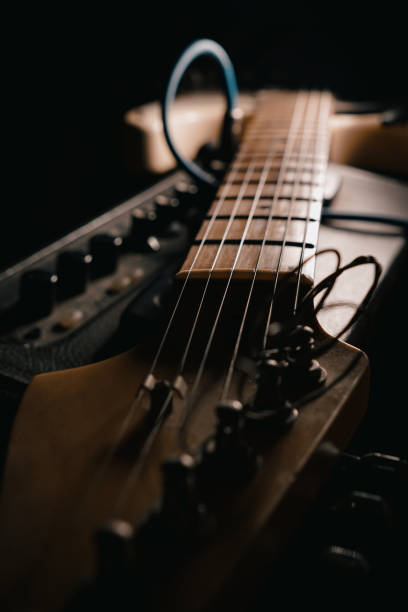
265,216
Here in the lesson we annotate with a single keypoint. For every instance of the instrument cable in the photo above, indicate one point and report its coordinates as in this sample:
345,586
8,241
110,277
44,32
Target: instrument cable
397,221
197,49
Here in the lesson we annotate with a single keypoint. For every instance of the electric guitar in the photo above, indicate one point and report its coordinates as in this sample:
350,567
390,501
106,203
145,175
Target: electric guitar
162,478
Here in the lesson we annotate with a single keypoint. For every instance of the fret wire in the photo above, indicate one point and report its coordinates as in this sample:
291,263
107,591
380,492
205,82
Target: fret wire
278,198
270,186
305,182
276,217
254,242
307,167
244,159
280,208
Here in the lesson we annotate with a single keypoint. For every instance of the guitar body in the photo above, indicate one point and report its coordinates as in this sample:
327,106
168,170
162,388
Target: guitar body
85,450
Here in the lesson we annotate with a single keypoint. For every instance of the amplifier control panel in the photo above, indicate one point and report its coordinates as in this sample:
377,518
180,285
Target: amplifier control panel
101,267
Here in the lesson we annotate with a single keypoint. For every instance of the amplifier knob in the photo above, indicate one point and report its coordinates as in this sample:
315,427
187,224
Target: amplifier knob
105,250
73,269
70,319
167,209
186,194
38,289
143,226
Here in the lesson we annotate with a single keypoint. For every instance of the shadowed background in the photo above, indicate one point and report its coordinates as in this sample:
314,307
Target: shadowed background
74,74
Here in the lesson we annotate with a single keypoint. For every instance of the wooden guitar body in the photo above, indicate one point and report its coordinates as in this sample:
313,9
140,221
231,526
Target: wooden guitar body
86,450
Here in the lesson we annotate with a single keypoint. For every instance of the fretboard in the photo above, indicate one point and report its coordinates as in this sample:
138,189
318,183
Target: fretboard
265,217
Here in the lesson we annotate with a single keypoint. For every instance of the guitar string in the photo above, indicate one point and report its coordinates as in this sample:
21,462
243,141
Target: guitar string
327,283
272,302
191,407
321,135
298,269
150,440
299,172
125,424
321,150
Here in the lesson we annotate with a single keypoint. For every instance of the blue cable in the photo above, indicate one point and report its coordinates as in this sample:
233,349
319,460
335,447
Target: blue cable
198,48
398,221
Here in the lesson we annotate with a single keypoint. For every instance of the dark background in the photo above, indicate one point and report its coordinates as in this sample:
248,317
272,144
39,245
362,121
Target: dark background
72,74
